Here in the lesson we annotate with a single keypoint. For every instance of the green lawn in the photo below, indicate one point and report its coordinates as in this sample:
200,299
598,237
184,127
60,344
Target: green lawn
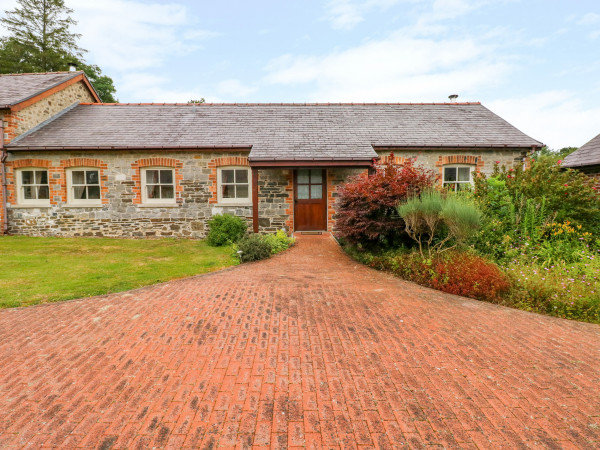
38,270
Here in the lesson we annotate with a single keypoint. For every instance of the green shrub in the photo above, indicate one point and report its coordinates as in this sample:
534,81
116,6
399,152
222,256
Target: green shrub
439,221
253,248
278,241
225,229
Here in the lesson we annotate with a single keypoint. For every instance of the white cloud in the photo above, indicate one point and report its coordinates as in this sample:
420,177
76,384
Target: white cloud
144,87
398,68
124,35
234,89
589,19
346,14
556,118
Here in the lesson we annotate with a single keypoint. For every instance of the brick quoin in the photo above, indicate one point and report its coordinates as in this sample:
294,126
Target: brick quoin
155,162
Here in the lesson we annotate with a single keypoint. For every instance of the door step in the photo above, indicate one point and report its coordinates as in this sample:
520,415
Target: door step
309,233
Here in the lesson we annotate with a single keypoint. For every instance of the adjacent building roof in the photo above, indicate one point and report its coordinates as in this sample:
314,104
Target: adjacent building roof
587,155
17,88
277,131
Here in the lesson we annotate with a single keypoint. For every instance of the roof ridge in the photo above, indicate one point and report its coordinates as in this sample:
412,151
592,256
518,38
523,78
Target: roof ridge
287,104
60,72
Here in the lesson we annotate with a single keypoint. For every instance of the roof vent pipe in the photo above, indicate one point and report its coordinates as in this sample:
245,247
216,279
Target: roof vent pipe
453,97
72,67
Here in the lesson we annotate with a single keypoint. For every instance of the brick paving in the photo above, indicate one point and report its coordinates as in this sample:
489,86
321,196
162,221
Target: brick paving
307,349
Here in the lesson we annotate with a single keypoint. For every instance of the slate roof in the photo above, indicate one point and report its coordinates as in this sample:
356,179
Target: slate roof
16,88
277,131
587,155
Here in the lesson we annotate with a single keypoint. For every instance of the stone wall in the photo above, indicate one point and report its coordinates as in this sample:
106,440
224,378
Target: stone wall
482,160
122,213
33,115
335,178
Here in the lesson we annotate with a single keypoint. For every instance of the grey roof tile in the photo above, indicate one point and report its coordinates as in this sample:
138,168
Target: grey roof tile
279,131
587,155
16,88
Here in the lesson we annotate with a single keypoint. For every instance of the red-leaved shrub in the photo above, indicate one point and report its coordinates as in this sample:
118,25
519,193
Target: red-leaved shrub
366,206
468,275
457,273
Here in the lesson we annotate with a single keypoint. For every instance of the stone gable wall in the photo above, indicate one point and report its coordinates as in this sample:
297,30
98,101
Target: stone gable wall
33,115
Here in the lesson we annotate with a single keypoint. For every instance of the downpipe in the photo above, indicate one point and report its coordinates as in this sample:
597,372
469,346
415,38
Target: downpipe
3,157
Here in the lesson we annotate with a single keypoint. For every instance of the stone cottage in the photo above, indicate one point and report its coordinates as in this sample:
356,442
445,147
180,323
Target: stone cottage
136,170
586,159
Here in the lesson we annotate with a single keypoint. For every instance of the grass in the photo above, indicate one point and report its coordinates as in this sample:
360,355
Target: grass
38,270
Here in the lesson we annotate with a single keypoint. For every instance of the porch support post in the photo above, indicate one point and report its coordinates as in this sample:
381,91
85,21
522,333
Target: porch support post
255,199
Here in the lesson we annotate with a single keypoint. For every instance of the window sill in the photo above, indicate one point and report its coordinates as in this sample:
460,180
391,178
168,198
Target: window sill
158,205
30,206
92,205
233,205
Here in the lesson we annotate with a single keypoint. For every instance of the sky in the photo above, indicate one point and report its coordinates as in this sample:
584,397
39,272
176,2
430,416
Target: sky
536,63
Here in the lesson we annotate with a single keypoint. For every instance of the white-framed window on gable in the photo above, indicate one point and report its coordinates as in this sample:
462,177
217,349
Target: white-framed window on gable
234,185
457,178
33,187
83,187
158,185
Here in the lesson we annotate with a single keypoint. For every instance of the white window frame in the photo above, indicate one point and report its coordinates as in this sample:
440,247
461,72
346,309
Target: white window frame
71,201
157,201
21,200
234,201
455,183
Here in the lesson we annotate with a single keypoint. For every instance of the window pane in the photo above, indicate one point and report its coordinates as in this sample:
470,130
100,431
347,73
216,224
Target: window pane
303,192
303,176
43,193
464,174
27,177
227,176
78,177
167,192
166,177
316,176
28,193
450,174
91,177
41,177
93,192
241,176
79,192
316,191
228,191
151,177
242,191
153,191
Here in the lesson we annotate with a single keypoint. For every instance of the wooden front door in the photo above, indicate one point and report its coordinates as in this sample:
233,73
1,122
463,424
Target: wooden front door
310,200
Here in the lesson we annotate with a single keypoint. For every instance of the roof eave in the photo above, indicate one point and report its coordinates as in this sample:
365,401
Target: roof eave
310,162
14,148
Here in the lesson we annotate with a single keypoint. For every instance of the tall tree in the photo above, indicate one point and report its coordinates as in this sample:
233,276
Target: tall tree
40,40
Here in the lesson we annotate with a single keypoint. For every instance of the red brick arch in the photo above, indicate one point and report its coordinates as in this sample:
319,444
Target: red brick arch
220,162
30,163
83,162
155,162
397,161
158,162
470,160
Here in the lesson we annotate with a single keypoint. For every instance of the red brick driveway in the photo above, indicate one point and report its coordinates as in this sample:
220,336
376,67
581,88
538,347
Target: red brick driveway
306,349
